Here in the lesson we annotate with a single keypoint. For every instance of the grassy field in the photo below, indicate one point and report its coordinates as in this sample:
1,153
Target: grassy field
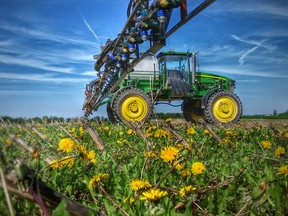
164,167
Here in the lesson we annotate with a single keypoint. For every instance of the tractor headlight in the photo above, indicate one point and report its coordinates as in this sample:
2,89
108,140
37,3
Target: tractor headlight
231,85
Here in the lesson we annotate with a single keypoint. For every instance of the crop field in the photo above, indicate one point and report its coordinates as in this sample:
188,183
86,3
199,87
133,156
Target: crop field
164,167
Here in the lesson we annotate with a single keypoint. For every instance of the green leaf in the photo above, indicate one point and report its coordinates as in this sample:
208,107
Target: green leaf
61,209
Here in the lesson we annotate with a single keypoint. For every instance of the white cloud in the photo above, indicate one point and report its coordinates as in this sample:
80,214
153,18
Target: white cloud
230,69
245,54
89,73
253,8
33,63
43,78
31,33
26,93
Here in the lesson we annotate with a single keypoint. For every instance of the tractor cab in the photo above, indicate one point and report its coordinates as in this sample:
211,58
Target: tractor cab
175,71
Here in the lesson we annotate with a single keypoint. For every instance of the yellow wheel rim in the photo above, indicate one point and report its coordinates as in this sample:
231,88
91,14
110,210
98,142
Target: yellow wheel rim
134,108
225,109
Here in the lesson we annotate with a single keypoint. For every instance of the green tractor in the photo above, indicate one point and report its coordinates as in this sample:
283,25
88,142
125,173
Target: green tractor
172,76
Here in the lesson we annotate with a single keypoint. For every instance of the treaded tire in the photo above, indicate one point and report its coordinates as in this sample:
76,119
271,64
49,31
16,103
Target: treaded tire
223,107
110,114
133,105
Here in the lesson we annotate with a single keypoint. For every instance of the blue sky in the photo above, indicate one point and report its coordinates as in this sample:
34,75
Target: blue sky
47,48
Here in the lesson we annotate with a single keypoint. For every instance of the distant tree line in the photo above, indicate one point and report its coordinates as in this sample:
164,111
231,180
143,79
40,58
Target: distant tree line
161,115
274,115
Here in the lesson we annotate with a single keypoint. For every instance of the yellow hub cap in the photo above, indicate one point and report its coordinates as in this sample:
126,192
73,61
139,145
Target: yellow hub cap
134,108
225,109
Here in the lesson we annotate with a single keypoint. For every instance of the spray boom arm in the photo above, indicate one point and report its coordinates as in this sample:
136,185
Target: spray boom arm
146,23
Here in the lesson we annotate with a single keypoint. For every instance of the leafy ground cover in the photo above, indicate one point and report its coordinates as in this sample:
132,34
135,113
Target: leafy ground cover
165,167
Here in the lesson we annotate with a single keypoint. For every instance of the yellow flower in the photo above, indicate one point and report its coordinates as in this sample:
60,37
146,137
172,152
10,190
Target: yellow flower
82,149
91,156
228,133
169,154
8,141
186,190
72,130
153,194
283,170
66,145
106,128
185,173
149,154
138,184
197,168
131,200
97,179
191,130
266,144
180,166
160,133
279,151
190,140
121,141
130,131
207,132
168,120
81,131
66,161
284,133
149,134
121,133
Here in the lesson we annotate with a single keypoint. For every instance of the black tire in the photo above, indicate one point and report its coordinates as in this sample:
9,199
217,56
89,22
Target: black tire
110,114
223,107
133,105
192,110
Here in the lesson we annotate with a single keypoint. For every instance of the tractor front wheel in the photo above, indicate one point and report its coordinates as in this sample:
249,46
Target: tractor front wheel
133,105
223,107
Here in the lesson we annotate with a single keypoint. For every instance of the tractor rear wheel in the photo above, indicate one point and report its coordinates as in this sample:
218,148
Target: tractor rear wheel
223,107
133,105
192,110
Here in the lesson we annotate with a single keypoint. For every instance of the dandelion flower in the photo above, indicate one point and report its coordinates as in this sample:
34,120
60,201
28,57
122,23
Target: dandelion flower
185,173
121,133
169,154
97,179
266,144
149,154
168,120
160,133
186,190
283,170
81,131
191,130
197,168
138,184
130,131
279,151
66,145
66,161
180,166
8,141
153,194
91,156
